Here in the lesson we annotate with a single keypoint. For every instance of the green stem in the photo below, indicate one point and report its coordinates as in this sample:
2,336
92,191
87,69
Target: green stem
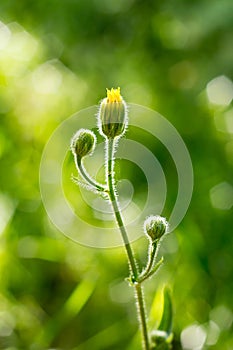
155,268
142,315
152,253
87,177
129,251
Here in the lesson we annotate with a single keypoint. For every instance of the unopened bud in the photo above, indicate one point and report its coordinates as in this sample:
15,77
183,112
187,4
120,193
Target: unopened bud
83,143
155,227
112,115
161,340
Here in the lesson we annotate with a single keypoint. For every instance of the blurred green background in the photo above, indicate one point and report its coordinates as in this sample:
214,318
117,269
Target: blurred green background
57,57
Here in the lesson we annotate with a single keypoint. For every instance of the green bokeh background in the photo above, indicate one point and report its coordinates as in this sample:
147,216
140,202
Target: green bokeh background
58,57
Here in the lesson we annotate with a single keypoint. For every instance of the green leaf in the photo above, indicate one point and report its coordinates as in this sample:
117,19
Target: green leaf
166,321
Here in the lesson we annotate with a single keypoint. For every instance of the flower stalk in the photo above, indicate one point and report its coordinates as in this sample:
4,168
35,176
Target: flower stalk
130,254
112,122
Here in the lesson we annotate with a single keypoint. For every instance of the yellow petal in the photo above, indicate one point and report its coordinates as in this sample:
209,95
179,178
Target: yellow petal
114,95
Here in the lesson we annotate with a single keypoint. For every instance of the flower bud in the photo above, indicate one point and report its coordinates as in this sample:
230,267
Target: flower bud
83,143
155,227
112,115
161,340
159,336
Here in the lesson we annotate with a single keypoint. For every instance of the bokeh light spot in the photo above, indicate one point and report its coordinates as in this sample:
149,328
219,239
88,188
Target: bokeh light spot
221,196
47,79
213,333
173,33
5,35
183,75
193,337
228,116
7,207
119,293
22,45
222,316
224,121
220,91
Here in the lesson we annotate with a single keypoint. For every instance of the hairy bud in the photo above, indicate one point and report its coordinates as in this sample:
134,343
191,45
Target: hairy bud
83,143
112,115
155,227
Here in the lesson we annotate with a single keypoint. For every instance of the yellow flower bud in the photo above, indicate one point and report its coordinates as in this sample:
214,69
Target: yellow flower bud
112,115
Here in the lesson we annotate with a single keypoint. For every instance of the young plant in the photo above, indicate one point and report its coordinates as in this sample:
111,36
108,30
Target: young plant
112,124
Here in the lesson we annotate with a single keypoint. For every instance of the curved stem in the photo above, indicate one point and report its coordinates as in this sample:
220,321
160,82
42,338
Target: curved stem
143,277
151,260
131,258
87,177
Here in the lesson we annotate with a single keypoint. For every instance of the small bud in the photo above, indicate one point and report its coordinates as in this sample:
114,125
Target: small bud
161,340
155,227
158,336
83,143
112,115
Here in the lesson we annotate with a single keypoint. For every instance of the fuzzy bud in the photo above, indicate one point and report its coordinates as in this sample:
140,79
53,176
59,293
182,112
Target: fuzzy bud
83,143
155,227
112,115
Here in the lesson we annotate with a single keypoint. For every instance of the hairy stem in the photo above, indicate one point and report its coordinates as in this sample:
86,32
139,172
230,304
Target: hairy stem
142,315
148,274
150,264
87,177
129,251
